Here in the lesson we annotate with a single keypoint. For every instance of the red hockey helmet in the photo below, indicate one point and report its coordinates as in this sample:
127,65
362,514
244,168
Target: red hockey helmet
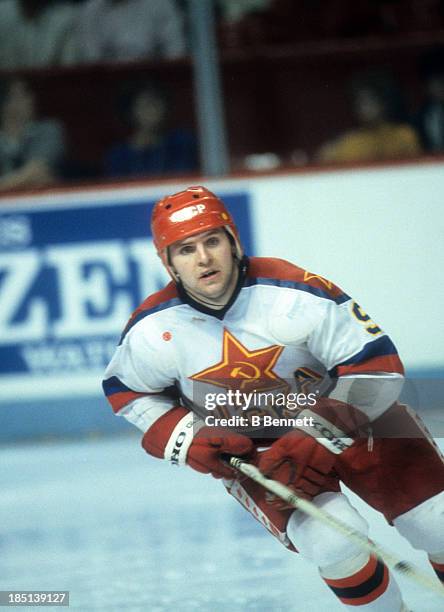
186,213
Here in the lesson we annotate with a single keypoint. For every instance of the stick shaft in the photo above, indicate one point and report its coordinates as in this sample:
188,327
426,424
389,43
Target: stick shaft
289,496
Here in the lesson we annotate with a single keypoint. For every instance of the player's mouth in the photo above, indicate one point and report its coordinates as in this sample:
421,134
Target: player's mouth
209,274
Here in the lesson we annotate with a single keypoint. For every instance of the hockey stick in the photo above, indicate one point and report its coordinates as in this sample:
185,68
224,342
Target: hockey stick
289,496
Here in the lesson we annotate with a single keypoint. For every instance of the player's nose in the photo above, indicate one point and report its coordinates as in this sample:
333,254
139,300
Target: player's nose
203,255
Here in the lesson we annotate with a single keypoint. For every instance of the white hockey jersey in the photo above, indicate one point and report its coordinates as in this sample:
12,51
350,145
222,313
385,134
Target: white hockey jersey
284,326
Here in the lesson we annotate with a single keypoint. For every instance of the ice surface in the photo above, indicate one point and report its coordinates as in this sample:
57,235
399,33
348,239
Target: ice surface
123,531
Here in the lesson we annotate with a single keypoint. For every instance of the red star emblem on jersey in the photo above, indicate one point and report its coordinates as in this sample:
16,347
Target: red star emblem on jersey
244,369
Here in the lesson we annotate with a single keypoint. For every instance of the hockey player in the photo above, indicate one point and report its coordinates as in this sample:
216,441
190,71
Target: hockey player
227,321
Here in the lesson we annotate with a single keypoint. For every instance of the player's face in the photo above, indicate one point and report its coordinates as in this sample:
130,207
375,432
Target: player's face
369,108
206,266
148,111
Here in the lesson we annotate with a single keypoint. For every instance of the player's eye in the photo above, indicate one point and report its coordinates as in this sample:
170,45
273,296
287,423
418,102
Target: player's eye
213,241
187,249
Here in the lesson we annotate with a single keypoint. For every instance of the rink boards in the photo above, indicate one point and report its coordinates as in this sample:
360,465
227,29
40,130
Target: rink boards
74,264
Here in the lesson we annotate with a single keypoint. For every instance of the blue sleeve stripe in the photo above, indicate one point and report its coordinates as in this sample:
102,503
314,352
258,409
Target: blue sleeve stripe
149,311
114,385
376,348
340,299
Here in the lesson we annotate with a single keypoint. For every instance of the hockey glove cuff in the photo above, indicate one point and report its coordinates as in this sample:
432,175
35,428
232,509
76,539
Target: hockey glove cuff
181,438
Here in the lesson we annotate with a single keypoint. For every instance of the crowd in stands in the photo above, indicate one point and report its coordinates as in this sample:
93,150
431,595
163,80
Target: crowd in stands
36,33
31,149
381,131
430,118
42,33
152,148
61,34
384,128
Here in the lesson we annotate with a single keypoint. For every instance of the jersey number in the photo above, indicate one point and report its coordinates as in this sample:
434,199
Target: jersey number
363,317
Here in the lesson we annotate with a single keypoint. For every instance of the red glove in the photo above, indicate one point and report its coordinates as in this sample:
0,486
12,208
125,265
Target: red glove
303,458
299,462
204,454
178,437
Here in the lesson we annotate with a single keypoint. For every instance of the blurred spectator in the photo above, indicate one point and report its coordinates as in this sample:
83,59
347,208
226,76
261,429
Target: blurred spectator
35,33
430,119
242,22
382,133
126,30
152,149
233,11
29,149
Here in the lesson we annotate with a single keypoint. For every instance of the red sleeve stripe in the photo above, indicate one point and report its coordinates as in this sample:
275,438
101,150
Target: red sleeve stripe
387,363
118,394
437,566
369,356
439,569
119,400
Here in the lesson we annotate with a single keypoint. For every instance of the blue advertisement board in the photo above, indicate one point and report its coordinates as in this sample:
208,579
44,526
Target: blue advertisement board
70,276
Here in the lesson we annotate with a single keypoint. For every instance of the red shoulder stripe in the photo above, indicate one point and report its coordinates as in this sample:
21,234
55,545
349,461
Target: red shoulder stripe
152,302
280,269
167,293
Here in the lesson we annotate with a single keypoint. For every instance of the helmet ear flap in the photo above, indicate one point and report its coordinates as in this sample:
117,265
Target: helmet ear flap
236,248
165,258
